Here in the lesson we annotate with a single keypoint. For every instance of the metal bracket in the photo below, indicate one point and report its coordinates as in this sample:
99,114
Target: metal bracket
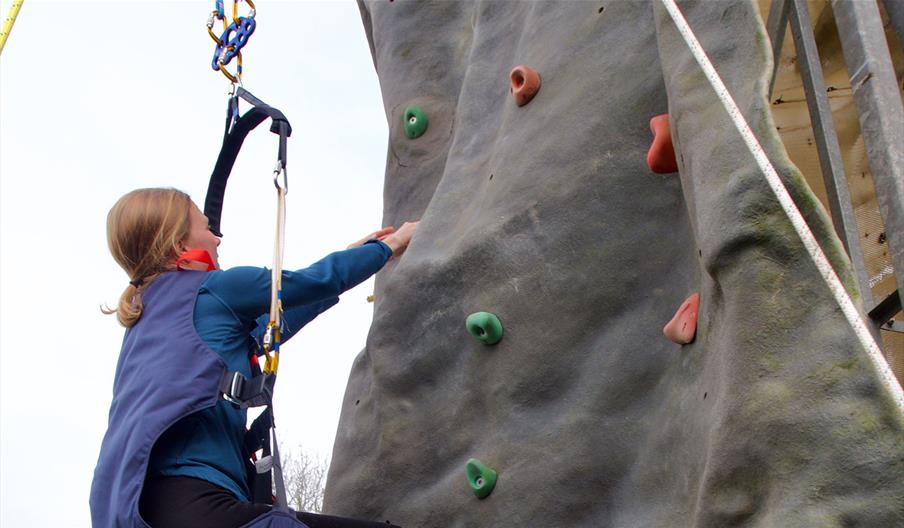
887,308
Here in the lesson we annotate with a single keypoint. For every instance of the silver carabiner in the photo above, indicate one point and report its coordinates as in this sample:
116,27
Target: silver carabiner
279,169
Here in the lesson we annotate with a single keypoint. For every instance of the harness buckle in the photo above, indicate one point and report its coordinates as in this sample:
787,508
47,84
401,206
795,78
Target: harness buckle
247,392
234,392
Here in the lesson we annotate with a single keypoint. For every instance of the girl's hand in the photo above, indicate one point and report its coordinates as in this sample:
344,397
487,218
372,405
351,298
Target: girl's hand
398,240
378,235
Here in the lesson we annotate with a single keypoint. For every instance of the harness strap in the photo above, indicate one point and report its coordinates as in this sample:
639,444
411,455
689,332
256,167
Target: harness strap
255,392
261,435
280,502
258,434
265,474
258,438
237,128
245,392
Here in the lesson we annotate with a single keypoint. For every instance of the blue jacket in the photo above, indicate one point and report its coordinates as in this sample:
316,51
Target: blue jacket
208,444
165,373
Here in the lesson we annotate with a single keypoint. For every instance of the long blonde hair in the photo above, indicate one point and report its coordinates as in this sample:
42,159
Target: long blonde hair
144,231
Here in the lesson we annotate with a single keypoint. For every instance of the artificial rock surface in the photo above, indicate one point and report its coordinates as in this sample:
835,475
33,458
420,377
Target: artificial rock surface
548,216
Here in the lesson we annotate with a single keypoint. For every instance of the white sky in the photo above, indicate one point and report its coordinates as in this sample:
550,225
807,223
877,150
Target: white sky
99,98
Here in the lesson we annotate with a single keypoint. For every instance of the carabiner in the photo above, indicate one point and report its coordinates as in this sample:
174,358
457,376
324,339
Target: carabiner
279,169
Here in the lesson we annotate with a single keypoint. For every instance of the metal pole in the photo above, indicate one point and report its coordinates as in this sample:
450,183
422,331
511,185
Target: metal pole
827,145
775,27
895,10
881,114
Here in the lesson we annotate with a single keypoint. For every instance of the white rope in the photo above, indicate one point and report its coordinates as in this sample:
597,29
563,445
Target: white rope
886,376
279,245
278,248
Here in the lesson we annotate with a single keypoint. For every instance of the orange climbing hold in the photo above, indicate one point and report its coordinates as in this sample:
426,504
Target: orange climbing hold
683,326
661,157
525,84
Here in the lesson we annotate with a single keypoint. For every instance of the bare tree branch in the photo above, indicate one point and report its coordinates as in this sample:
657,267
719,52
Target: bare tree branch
305,478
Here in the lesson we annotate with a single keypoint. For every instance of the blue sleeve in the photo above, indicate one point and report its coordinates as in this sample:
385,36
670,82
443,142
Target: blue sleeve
305,293
293,319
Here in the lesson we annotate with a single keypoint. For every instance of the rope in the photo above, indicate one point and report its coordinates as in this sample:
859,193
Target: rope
272,337
8,23
886,377
271,340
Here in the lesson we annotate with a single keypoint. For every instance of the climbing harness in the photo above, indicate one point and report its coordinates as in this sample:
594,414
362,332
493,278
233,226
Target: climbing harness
8,23
844,301
233,38
235,387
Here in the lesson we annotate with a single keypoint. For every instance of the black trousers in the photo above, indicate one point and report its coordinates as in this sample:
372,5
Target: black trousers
177,502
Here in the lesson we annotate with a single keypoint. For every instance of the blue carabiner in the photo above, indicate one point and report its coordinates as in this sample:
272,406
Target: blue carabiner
236,36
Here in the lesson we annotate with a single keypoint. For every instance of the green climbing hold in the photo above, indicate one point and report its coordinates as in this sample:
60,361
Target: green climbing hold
481,478
485,326
415,122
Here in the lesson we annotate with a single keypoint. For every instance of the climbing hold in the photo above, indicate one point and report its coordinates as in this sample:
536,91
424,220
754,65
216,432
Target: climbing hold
525,84
683,326
481,478
485,326
415,122
661,157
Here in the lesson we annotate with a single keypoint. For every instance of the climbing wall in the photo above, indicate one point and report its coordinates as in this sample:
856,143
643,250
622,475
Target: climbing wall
578,335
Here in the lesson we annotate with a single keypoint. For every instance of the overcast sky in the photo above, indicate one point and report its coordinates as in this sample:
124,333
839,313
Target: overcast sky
100,98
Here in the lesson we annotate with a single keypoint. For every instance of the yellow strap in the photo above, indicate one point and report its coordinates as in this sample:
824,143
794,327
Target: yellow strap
8,23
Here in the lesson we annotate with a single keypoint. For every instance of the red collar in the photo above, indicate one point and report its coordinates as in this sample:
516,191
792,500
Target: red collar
195,255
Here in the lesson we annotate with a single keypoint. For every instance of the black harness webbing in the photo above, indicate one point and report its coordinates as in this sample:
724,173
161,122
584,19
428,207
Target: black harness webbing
248,392
258,437
255,392
237,128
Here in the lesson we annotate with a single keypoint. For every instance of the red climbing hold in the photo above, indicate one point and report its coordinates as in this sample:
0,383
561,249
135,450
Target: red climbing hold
683,326
661,157
525,84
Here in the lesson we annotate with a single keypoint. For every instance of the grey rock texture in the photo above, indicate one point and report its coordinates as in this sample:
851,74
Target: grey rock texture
548,216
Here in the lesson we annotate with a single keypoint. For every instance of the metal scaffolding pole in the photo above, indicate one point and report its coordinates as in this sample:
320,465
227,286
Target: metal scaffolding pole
895,10
881,115
829,152
775,28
